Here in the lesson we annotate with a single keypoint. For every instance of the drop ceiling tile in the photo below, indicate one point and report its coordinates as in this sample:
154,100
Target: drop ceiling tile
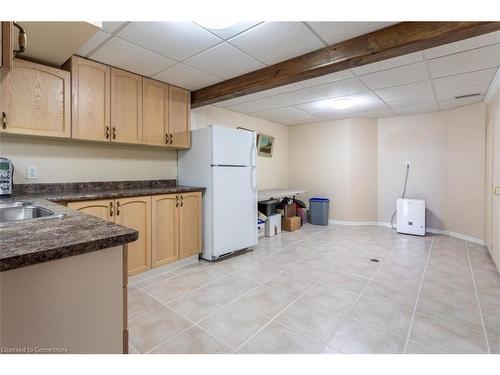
413,93
296,97
333,114
273,42
335,32
416,108
285,114
463,45
396,76
389,63
314,107
476,59
255,106
177,40
459,91
224,61
231,31
283,89
332,77
125,55
380,113
111,26
238,100
481,77
340,88
454,103
365,101
93,43
187,77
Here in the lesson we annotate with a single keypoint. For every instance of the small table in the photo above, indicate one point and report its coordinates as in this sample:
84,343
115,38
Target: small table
264,195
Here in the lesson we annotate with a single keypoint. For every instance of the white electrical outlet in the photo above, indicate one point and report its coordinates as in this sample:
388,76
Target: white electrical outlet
31,172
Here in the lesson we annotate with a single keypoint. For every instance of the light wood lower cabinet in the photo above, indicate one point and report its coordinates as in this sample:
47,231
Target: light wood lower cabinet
189,224
165,224
169,226
102,208
176,227
35,100
134,213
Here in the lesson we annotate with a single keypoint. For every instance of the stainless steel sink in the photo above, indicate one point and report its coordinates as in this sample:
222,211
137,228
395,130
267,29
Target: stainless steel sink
9,203
25,212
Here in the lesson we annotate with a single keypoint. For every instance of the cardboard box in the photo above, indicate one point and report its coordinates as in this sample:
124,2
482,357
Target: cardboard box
289,210
290,224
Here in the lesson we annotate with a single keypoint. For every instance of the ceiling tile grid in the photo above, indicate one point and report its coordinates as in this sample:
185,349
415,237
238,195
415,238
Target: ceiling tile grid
192,56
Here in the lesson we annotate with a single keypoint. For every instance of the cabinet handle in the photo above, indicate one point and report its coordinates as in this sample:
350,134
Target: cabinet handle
176,201
111,208
182,201
166,138
107,132
117,208
4,120
171,138
114,132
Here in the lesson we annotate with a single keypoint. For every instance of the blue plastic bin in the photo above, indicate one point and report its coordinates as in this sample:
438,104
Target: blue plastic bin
318,208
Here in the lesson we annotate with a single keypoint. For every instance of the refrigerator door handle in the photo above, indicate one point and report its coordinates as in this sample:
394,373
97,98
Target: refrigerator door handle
253,179
253,152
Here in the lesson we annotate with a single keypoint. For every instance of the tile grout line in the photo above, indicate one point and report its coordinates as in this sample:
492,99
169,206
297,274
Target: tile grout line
195,323
285,308
418,296
360,294
477,299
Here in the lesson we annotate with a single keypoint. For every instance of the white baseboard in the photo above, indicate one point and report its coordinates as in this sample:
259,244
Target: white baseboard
429,230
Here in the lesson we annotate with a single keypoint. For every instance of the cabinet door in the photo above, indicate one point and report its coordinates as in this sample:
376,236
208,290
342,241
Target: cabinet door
178,123
102,208
165,225
126,107
154,112
91,94
36,100
7,45
135,213
190,224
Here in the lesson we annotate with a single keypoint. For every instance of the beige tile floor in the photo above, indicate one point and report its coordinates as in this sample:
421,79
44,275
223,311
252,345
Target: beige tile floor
317,291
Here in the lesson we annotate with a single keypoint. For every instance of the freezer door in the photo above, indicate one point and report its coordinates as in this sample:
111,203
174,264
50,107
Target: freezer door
233,146
234,209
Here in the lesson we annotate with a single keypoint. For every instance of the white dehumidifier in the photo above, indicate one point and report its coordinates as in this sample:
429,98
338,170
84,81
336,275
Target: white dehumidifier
411,216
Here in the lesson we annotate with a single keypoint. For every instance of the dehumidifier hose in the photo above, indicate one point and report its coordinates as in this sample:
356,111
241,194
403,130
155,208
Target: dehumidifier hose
402,195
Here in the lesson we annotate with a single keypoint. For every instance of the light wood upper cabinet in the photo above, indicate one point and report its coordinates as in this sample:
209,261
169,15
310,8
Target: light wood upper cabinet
102,208
6,45
190,224
155,112
126,107
91,97
178,114
35,99
165,224
135,213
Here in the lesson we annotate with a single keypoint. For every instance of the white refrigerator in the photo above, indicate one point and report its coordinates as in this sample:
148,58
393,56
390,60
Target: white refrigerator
223,160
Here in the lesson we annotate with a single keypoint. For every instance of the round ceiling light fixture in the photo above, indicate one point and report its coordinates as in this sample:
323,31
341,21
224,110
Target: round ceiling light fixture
216,24
341,103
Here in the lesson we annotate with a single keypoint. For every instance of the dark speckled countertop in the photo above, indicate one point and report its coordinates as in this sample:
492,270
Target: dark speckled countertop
35,241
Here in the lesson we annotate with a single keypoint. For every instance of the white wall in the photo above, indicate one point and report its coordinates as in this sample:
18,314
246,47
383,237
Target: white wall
271,172
337,160
74,161
446,151
360,165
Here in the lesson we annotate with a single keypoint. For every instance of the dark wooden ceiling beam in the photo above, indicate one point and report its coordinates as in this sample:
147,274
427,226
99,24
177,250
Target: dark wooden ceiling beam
392,41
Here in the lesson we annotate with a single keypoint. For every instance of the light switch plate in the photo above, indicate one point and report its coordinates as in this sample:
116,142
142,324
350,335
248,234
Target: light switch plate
31,172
